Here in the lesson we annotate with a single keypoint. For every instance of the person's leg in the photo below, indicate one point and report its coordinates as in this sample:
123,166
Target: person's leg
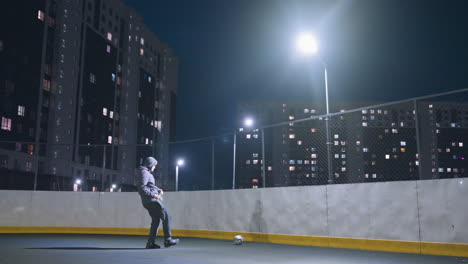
168,240
166,222
154,212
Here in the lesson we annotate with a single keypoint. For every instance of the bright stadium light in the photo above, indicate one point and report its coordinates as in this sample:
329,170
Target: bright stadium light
180,162
248,122
307,44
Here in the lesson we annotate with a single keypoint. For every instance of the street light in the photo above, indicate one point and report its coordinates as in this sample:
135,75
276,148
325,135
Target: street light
180,162
307,44
248,122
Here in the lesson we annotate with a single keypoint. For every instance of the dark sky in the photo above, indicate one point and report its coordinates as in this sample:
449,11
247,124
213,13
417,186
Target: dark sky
376,50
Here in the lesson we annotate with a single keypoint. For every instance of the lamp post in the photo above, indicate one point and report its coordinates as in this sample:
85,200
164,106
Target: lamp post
307,44
248,122
180,162
76,187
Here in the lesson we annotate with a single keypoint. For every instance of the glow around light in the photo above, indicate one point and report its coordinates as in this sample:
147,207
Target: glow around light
307,44
78,182
248,122
180,162
114,186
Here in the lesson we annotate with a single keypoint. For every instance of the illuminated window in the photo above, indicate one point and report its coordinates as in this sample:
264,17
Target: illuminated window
292,136
387,156
113,77
6,123
313,130
402,149
306,162
255,155
142,41
306,111
142,52
247,162
447,150
395,131
21,110
108,49
403,143
28,166
343,169
365,150
343,156
299,142
291,117
109,139
255,135
109,36
146,140
364,124
374,175
336,136
46,85
111,114
149,79
92,77
460,144
337,156
40,15
292,168
358,142
313,156
364,111
248,136
104,111
270,168
255,161
30,149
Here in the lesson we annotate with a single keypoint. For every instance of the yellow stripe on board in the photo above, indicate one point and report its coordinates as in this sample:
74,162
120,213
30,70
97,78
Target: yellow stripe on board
336,242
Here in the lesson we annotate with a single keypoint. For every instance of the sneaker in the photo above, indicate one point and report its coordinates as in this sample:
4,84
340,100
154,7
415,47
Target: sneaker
152,246
171,242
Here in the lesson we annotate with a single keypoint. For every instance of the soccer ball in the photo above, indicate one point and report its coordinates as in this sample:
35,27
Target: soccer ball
238,240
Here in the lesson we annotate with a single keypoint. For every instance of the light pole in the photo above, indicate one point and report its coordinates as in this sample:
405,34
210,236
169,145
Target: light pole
308,45
77,185
248,122
180,162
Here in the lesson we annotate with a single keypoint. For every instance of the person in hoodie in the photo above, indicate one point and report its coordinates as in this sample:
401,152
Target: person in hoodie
151,198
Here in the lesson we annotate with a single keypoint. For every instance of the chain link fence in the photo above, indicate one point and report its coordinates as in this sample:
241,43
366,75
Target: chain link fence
414,139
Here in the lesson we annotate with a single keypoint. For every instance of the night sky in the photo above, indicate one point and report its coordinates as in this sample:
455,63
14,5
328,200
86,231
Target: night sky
231,51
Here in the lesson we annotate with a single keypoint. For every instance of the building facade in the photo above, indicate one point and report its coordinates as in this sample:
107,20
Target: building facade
367,145
88,92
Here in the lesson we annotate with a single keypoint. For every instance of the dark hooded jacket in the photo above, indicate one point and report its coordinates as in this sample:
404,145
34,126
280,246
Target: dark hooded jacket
146,185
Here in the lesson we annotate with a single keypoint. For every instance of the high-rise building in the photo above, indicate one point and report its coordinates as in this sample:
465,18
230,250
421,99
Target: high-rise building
87,92
372,144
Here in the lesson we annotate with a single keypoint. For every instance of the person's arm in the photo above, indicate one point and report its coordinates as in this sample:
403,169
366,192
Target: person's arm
144,189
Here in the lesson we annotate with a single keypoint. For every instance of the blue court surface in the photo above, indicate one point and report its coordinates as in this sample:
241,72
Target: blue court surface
115,249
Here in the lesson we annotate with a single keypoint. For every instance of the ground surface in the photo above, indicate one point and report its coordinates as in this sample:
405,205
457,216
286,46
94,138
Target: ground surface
83,249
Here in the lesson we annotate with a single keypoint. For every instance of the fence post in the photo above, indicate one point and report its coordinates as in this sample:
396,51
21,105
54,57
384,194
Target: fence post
418,139
234,163
212,163
103,167
263,159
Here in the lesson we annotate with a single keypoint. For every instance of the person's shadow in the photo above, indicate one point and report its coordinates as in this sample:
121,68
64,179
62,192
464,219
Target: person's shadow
85,248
